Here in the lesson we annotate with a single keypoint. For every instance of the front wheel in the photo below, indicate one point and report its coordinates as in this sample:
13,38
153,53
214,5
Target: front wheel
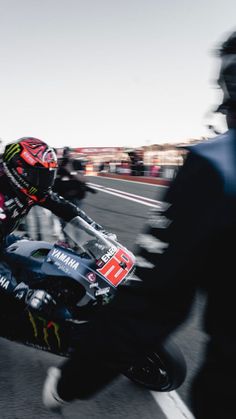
164,369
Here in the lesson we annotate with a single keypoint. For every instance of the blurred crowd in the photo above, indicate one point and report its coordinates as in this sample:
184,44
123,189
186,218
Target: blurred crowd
141,162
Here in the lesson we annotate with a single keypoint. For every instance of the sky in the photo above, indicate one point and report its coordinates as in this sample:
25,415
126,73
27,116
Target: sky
86,73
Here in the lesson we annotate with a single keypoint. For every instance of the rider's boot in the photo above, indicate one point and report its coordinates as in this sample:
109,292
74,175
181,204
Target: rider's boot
50,397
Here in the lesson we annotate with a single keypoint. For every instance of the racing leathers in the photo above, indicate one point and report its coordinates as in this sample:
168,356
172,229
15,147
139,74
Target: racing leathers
189,244
13,207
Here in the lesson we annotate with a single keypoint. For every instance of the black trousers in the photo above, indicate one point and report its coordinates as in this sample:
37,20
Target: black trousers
82,378
214,387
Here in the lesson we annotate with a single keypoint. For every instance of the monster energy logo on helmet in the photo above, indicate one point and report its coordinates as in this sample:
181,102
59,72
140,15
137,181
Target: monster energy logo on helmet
11,151
31,166
32,190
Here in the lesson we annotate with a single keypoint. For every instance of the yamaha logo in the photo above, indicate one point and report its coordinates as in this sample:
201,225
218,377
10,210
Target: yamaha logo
63,257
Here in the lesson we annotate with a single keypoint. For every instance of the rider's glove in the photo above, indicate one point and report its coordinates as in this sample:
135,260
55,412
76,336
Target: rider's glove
38,300
41,301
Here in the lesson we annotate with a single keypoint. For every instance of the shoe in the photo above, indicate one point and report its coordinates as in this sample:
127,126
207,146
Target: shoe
50,397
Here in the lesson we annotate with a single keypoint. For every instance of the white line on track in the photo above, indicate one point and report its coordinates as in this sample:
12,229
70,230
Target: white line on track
172,405
132,181
126,195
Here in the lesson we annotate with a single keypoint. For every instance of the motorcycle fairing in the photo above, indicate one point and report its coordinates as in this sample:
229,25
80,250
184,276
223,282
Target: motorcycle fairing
63,262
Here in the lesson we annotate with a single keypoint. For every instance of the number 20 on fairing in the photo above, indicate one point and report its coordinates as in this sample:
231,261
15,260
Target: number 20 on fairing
113,270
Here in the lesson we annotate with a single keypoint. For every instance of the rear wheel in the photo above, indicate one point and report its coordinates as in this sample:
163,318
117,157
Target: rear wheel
164,369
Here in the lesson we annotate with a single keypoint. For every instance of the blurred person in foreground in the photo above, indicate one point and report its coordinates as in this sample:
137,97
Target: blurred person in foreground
188,246
28,169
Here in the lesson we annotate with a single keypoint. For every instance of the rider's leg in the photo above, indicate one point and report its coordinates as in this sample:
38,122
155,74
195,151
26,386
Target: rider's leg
76,379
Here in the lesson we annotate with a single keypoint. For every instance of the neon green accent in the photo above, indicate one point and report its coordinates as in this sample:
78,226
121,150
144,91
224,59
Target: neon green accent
55,326
32,321
32,190
56,330
11,151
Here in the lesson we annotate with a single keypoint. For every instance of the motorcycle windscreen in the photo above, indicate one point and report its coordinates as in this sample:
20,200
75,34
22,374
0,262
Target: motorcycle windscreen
87,238
113,261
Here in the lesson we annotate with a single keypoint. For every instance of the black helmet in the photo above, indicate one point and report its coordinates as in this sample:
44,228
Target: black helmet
30,165
227,76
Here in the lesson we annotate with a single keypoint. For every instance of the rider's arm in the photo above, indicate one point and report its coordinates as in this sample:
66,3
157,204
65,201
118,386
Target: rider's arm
66,210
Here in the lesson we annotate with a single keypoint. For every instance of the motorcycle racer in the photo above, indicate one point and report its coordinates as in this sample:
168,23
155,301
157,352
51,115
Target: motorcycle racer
28,170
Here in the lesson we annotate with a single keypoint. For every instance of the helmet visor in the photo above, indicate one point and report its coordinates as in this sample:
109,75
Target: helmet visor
40,178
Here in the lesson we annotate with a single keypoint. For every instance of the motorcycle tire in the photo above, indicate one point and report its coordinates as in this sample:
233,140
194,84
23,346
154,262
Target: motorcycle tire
162,370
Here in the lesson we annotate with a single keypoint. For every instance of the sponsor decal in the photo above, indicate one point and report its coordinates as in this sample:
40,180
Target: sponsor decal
102,291
109,254
15,177
9,203
99,263
28,158
65,258
4,283
91,276
15,213
118,267
61,267
47,329
14,206
94,285
18,203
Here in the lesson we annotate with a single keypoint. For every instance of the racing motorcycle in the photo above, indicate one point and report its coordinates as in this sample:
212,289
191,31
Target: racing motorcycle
81,277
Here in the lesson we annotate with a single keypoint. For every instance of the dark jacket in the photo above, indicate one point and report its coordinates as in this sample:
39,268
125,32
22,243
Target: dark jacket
188,245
